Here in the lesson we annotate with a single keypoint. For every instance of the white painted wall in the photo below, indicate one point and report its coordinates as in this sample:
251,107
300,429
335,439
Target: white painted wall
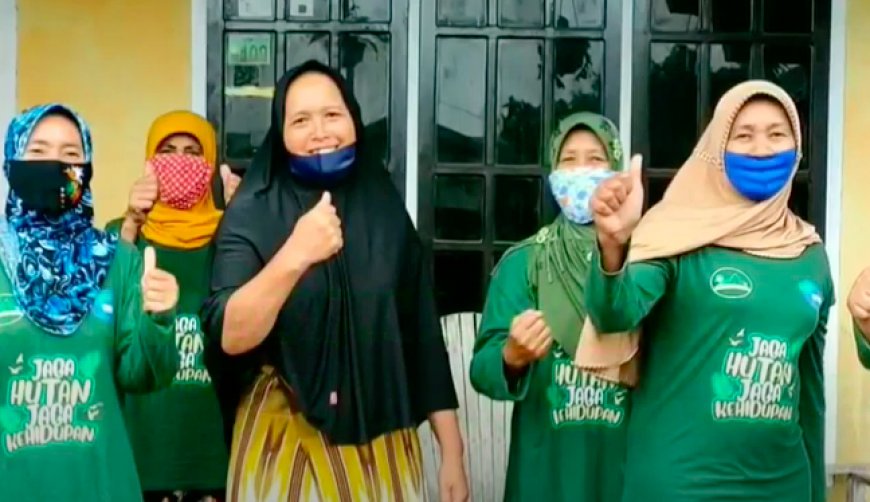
833,212
8,75
411,128
198,56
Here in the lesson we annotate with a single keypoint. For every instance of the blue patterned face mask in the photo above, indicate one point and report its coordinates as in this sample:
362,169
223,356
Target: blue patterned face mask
573,189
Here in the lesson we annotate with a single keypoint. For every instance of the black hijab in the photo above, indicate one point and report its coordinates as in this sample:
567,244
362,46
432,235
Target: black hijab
358,341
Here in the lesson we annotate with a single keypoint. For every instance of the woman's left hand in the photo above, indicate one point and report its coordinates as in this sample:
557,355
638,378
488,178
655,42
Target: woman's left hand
452,483
159,288
231,182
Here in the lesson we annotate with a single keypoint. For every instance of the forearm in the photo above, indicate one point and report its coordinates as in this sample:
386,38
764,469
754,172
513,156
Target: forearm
445,425
612,256
129,230
252,309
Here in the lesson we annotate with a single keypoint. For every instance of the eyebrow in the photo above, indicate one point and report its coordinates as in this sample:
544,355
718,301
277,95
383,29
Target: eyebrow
750,127
335,107
42,142
587,151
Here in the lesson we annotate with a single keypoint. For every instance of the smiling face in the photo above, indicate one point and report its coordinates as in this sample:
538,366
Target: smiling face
317,120
55,137
582,149
761,129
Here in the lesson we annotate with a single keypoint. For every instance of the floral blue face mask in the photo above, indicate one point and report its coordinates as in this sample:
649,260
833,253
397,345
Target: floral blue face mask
573,189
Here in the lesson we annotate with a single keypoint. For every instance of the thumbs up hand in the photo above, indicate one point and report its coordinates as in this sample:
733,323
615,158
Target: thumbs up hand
617,205
159,288
143,194
230,181
317,235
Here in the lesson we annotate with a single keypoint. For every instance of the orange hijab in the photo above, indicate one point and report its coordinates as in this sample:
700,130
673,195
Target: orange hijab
176,228
700,208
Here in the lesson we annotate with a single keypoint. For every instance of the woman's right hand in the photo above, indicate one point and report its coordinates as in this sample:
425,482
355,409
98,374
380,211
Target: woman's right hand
529,340
617,205
143,195
317,235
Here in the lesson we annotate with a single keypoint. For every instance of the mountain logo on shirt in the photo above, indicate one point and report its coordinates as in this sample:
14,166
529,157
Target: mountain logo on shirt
10,312
730,283
811,292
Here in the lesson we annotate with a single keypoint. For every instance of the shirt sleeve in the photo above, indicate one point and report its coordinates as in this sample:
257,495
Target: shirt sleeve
862,345
509,295
235,262
146,358
811,409
114,226
426,359
619,302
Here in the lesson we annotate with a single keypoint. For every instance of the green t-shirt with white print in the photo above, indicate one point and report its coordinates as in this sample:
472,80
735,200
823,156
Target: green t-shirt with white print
62,432
730,402
177,432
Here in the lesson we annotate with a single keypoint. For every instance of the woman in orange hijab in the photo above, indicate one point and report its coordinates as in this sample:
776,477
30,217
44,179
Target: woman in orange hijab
177,433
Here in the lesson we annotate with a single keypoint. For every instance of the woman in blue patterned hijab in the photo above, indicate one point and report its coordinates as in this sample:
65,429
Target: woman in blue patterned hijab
54,255
84,319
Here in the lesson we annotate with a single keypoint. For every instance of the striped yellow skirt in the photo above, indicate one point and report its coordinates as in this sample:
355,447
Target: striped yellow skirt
278,456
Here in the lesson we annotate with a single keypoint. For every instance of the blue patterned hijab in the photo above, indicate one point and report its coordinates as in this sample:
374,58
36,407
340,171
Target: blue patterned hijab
57,265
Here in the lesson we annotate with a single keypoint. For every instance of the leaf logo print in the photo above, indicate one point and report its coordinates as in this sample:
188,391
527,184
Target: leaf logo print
15,370
619,397
94,411
739,339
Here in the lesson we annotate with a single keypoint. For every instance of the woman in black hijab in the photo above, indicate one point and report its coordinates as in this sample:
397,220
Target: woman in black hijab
325,346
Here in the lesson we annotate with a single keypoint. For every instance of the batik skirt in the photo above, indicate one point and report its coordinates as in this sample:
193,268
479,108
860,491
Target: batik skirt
278,456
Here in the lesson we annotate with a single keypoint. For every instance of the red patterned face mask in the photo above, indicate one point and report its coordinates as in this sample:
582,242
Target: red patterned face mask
183,178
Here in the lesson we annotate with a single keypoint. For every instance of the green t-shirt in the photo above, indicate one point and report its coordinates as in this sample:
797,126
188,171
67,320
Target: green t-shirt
177,432
730,404
568,427
63,434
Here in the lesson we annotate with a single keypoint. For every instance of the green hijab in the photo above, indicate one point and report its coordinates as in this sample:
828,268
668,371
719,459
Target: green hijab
562,250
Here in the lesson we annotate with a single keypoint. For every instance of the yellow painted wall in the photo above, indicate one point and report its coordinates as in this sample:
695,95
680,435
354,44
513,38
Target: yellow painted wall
854,382
120,63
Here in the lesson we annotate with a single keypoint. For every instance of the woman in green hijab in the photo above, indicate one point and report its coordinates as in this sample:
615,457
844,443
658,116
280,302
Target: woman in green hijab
567,431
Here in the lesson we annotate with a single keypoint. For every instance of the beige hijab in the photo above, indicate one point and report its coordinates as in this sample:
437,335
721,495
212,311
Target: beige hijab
700,208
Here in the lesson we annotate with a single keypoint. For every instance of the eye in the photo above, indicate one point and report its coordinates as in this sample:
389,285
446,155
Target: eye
299,120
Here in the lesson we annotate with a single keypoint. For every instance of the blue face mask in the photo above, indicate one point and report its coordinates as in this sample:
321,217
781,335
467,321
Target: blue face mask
324,168
573,189
760,178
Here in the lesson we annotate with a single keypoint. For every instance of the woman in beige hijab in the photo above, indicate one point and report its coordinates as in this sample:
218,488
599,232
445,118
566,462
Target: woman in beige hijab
732,291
